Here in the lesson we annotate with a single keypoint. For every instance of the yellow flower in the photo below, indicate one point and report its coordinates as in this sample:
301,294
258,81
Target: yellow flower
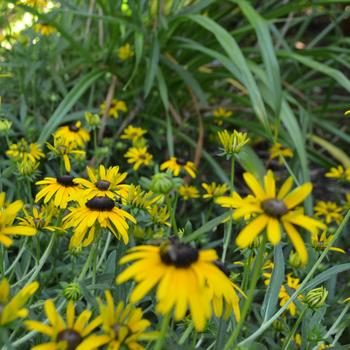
329,211
8,213
104,182
72,334
272,209
214,190
347,112
61,189
24,152
278,151
188,192
62,148
232,142
339,173
159,215
125,52
321,242
40,218
137,198
116,107
186,279
175,166
132,133
12,308
27,167
297,340
36,3
44,28
101,211
74,134
123,325
138,157
220,114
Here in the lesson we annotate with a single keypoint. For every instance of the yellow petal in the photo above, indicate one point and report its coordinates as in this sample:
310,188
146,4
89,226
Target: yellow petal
254,185
273,231
298,195
297,241
251,231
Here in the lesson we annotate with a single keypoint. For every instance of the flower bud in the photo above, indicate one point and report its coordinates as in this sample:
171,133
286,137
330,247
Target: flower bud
5,126
162,183
316,298
92,120
72,291
294,259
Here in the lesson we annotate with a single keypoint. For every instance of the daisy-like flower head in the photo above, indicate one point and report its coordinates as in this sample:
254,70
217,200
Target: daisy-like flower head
115,108
271,209
8,213
12,308
339,173
72,334
23,152
176,165
278,151
186,278
73,133
123,325
138,157
104,182
125,52
214,190
44,28
61,189
322,241
62,148
188,192
133,133
220,114
329,211
101,211
232,143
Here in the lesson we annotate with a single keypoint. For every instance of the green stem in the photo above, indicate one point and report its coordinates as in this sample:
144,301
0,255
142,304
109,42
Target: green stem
186,334
89,260
163,331
292,332
250,295
172,210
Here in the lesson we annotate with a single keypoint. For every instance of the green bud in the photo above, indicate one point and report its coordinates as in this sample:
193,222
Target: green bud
5,126
162,183
316,298
72,291
278,325
294,259
92,120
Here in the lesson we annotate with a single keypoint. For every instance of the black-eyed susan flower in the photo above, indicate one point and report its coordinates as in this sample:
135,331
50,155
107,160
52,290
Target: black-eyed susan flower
23,151
220,114
188,192
104,182
8,213
138,157
278,151
73,333
339,173
186,279
328,211
133,133
73,133
44,28
101,211
272,209
63,149
125,52
123,325
320,241
214,190
115,108
176,165
12,308
232,143
61,190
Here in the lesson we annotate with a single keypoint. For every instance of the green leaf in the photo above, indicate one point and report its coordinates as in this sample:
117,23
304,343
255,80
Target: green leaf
152,66
67,103
229,44
271,297
251,162
207,227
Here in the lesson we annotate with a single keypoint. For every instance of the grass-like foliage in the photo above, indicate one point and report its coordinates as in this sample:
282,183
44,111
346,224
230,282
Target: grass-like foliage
174,174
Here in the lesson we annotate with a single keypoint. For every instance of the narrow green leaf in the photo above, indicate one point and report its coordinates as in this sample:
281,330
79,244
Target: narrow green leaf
152,66
251,162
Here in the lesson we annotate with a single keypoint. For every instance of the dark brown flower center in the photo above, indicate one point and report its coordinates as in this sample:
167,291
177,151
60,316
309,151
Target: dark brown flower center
102,185
72,337
100,204
181,161
73,128
178,254
274,207
222,267
66,180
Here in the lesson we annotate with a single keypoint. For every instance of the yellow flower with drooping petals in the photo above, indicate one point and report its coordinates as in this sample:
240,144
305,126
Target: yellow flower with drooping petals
279,151
175,166
115,108
44,29
73,133
214,190
12,308
138,157
329,211
188,192
339,173
322,241
271,209
23,152
220,114
133,133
